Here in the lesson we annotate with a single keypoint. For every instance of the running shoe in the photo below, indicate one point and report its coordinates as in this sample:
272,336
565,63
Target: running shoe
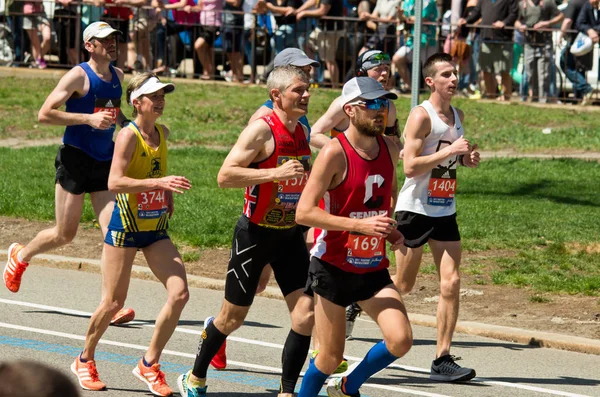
13,271
335,388
449,371
123,316
153,377
219,361
87,375
352,312
186,390
343,367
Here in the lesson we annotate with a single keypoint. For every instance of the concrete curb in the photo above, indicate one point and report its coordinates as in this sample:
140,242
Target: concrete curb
518,335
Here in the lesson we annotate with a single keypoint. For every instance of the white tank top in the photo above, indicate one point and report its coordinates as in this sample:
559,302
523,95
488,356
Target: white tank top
432,193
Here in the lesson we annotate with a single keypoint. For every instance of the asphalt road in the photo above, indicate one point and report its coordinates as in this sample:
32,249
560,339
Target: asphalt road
47,319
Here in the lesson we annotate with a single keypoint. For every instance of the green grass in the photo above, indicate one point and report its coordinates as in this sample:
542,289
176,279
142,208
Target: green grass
534,208
553,268
214,114
512,203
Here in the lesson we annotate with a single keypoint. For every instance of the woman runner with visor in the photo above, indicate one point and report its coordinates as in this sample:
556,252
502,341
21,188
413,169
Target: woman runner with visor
144,204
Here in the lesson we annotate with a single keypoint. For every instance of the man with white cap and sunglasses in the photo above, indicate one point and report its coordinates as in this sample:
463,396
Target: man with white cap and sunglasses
91,92
347,200
374,64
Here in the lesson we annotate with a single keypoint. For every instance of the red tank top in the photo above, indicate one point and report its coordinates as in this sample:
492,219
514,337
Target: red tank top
366,191
273,204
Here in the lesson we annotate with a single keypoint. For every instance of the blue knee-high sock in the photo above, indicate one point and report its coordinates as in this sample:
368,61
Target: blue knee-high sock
376,359
312,382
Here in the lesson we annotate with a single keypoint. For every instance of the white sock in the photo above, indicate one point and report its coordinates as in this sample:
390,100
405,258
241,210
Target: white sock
20,258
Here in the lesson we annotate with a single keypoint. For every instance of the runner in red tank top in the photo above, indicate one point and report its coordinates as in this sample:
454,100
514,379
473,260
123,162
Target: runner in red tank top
348,198
271,160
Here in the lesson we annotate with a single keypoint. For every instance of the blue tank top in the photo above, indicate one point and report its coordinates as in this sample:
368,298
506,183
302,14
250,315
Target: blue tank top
102,96
303,120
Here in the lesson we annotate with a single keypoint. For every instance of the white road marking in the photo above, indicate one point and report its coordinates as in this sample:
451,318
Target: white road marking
193,356
259,343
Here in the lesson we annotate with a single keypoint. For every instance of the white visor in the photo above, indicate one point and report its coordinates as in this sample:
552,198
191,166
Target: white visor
150,86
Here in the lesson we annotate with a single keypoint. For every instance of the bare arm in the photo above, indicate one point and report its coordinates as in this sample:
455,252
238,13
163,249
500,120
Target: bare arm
566,25
250,146
363,10
279,10
329,167
551,22
315,13
132,3
175,6
72,83
118,182
332,117
418,127
307,5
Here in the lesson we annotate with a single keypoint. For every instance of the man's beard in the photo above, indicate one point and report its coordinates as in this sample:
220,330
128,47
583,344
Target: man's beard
367,126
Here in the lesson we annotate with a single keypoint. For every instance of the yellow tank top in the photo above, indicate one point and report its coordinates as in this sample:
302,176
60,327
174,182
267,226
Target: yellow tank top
145,211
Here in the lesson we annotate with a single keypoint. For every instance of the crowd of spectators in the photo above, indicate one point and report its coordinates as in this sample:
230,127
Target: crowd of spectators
486,38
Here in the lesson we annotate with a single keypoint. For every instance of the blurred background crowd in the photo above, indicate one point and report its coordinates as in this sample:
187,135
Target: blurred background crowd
529,50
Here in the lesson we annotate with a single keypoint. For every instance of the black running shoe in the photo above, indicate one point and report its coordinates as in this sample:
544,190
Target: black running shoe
448,371
352,312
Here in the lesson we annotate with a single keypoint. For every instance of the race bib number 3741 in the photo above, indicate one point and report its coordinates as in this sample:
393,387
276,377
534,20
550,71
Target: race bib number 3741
151,204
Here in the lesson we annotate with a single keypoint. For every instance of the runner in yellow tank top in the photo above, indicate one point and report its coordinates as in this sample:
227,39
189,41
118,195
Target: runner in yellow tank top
143,211
138,176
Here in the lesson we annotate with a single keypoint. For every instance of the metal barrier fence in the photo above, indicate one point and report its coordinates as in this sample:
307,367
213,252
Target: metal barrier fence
203,44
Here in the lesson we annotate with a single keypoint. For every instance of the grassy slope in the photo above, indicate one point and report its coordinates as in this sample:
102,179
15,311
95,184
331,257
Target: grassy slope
214,114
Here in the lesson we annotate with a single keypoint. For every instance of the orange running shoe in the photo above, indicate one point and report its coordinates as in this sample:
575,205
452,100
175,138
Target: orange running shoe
153,377
87,375
219,361
123,316
13,271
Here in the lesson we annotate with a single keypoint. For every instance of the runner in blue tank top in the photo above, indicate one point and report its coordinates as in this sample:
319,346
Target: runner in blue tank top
91,92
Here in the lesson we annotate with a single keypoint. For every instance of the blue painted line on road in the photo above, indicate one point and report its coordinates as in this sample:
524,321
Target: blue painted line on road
166,366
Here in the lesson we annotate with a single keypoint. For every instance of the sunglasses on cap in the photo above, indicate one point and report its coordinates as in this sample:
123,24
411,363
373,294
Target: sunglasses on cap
371,104
382,56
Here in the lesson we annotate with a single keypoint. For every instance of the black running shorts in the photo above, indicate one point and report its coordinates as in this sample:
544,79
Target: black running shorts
79,173
344,288
252,248
418,228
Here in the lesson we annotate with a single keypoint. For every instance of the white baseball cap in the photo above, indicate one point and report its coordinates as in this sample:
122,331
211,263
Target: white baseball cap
98,30
150,86
365,88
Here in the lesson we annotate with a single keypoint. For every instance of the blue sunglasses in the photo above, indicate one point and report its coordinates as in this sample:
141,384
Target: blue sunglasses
372,104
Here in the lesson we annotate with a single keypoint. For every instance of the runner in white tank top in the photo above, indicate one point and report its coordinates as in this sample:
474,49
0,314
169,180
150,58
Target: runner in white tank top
426,209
